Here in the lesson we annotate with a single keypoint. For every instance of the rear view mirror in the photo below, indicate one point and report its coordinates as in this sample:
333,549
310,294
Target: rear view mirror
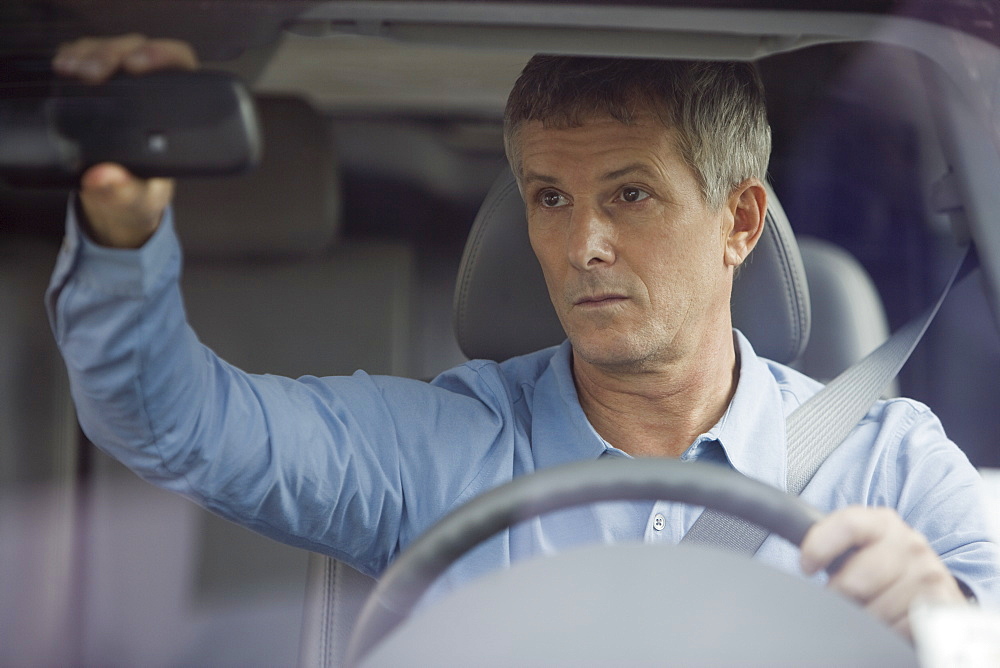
172,123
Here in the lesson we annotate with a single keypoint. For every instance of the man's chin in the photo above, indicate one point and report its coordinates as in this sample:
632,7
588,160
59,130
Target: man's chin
612,356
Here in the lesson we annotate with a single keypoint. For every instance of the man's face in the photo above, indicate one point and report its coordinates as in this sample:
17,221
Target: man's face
634,259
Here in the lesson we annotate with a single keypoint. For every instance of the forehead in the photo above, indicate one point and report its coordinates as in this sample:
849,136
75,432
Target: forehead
597,144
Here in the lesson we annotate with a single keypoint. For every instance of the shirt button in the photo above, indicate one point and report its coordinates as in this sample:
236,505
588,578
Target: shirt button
659,521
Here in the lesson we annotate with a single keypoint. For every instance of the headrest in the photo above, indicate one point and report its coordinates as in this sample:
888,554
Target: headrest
502,306
288,206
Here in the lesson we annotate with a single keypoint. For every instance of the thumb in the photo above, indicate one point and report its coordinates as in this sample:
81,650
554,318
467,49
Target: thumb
122,210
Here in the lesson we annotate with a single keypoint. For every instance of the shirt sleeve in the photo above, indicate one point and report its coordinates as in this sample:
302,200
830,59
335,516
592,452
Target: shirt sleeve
354,467
939,493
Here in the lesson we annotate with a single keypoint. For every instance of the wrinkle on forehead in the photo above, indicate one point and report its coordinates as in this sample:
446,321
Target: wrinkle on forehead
607,150
644,118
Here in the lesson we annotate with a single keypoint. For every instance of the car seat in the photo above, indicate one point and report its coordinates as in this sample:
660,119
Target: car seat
848,316
502,309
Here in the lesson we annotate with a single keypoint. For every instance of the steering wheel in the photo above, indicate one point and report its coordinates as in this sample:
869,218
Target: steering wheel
712,486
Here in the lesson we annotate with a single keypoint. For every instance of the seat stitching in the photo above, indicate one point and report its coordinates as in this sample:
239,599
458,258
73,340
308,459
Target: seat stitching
473,254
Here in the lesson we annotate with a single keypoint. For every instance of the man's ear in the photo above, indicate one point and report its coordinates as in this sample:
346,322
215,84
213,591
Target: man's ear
748,207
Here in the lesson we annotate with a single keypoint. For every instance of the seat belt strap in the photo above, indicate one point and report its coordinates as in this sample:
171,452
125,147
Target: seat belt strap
818,426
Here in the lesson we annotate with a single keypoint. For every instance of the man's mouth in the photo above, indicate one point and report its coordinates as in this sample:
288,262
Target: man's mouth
600,300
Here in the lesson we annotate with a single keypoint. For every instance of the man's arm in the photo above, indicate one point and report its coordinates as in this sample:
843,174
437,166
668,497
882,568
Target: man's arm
351,466
925,526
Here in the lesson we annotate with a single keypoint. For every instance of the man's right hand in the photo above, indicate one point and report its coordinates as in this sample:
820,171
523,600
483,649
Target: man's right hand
121,210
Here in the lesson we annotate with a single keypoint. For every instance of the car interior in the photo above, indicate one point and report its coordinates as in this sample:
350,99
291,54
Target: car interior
382,231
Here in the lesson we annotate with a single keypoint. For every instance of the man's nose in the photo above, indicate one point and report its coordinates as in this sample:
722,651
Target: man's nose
590,244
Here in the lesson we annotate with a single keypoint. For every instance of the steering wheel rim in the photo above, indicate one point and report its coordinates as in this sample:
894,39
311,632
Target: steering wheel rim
712,486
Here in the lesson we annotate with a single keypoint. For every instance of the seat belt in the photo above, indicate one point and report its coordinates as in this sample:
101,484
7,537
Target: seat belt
818,426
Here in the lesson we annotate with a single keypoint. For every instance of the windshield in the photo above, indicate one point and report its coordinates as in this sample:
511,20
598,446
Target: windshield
382,130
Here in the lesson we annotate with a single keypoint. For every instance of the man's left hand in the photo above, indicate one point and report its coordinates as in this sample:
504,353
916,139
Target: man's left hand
892,566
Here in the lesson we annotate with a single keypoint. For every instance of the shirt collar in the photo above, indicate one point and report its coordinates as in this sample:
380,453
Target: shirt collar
751,432
560,430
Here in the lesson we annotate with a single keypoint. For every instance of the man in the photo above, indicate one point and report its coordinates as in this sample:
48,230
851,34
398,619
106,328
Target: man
642,185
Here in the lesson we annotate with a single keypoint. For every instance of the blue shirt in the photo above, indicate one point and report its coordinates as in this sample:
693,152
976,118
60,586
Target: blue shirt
357,467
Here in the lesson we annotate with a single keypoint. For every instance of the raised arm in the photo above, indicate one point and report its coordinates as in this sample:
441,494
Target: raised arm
352,466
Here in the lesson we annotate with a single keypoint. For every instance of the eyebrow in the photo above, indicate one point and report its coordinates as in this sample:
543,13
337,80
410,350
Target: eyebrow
531,177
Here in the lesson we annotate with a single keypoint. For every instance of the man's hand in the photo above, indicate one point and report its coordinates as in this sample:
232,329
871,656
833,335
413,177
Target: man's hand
892,567
122,210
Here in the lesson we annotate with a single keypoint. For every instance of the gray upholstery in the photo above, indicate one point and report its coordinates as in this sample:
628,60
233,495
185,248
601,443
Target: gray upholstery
502,307
848,316
335,594
284,207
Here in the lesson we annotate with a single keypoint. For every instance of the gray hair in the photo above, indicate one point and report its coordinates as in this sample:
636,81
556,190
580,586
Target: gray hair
716,108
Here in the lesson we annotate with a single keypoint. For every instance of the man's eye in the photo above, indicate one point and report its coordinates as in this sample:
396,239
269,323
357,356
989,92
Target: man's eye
632,194
550,199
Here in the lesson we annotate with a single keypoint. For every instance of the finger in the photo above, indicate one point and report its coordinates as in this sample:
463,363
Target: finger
838,532
884,579
108,185
159,192
106,188
867,573
161,54
925,578
103,177
892,604
95,59
122,210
